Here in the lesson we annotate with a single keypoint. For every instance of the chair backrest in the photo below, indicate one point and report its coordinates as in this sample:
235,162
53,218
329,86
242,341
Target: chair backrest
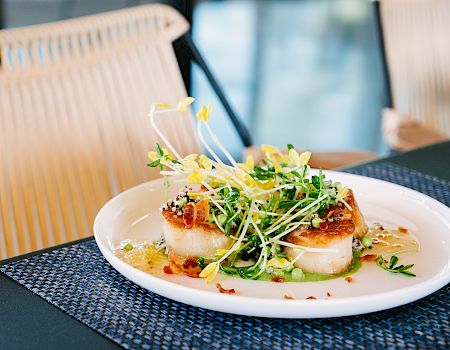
416,34
74,98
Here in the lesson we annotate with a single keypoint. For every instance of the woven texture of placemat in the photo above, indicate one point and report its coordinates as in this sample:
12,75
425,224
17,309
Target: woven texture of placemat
78,280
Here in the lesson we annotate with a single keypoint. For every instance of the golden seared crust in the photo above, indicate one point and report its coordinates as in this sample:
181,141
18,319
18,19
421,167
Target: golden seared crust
177,222
357,217
322,237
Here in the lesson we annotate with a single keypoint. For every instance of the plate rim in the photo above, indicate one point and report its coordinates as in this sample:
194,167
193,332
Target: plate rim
278,308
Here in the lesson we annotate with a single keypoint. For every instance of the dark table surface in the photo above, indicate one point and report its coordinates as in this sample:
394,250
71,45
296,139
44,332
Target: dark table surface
29,322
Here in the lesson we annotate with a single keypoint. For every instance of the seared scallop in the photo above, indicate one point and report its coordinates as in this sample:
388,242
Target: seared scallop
202,239
336,233
336,236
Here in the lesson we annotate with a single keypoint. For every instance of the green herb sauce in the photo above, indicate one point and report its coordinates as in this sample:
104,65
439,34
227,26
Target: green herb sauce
313,277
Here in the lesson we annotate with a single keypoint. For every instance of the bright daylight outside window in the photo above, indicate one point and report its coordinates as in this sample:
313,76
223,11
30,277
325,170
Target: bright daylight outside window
294,71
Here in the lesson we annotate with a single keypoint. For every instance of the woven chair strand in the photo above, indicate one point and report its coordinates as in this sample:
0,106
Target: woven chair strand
74,96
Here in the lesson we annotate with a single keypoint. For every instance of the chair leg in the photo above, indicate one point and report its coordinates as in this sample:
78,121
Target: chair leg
197,57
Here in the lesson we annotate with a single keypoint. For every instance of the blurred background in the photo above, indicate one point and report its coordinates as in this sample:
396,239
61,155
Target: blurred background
305,72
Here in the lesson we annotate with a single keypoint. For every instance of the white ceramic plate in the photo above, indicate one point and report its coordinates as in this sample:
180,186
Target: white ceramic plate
134,214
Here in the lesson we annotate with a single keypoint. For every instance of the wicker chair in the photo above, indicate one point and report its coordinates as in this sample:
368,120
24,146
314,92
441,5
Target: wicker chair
73,99
74,96
417,55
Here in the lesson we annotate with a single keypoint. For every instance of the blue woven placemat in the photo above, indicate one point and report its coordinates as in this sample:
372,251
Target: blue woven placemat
79,281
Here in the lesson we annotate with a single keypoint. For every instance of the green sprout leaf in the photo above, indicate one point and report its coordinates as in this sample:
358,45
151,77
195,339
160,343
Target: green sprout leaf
154,164
402,269
159,150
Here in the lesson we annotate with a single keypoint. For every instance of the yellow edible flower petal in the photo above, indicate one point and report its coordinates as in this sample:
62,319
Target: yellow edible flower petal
161,105
190,157
195,177
249,181
194,195
210,272
220,252
205,162
204,113
270,149
267,185
153,155
278,263
294,157
184,103
189,162
250,163
304,158
275,163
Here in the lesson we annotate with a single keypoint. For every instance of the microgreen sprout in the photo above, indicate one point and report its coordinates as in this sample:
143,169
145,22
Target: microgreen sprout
391,267
255,205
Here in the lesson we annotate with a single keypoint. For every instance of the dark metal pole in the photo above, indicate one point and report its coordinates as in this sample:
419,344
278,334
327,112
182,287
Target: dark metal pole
197,57
384,64
2,15
186,8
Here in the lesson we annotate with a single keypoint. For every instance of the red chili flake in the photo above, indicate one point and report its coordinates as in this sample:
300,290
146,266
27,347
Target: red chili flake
168,270
279,279
369,257
323,225
288,297
311,298
402,229
349,279
328,294
223,290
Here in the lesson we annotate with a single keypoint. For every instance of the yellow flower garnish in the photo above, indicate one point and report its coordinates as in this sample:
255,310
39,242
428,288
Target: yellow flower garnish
304,158
220,252
278,263
162,105
189,162
343,192
270,149
194,195
184,103
275,163
196,177
204,113
294,157
153,155
210,272
190,157
266,185
248,180
249,164
205,162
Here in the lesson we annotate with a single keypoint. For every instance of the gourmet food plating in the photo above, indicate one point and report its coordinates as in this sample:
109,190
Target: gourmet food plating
268,221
